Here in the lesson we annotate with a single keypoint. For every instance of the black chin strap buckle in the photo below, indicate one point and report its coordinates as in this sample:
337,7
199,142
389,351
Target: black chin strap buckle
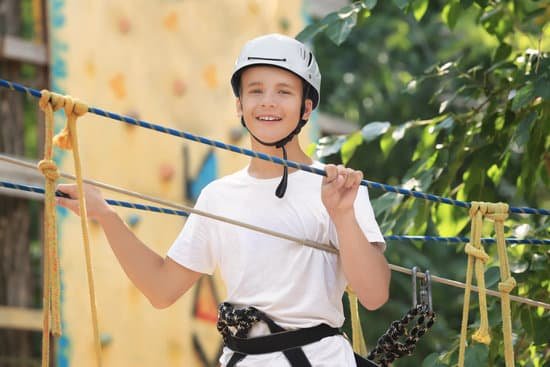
281,188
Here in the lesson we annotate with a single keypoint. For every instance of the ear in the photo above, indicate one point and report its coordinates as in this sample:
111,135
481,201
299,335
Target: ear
308,109
239,107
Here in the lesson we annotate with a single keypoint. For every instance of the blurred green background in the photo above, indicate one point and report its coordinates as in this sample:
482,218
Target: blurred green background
450,98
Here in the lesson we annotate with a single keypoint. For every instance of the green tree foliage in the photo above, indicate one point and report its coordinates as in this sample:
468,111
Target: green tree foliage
450,98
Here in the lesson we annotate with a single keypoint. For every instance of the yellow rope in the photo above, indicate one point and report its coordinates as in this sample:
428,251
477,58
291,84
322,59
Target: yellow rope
498,213
68,139
477,257
37,20
357,338
49,103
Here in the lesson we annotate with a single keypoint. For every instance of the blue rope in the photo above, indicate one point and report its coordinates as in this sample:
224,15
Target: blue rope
125,204
277,160
488,240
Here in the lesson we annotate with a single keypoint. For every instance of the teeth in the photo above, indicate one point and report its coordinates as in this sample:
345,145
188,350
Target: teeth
268,118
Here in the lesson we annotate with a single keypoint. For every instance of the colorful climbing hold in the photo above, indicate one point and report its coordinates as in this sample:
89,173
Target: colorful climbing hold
210,76
171,21
253,7
166,172
133,220
179,87
118,86
90,68
105,339
124,25
284,24
133,113
236,133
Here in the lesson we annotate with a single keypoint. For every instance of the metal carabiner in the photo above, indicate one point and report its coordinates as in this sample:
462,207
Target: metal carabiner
425,289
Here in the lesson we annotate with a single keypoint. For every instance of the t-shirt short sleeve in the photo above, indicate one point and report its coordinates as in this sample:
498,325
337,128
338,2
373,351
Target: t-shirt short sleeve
195,246
365,217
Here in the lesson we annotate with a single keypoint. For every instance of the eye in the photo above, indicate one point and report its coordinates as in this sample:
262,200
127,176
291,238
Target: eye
284,91
255,91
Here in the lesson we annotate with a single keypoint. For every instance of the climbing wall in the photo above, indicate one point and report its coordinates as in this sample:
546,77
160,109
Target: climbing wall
168,62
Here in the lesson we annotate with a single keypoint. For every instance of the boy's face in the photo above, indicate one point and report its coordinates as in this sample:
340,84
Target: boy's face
270,102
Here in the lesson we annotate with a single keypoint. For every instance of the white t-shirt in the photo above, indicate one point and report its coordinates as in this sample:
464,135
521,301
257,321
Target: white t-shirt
295,285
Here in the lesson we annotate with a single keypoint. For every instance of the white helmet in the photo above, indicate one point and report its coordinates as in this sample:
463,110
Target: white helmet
284,52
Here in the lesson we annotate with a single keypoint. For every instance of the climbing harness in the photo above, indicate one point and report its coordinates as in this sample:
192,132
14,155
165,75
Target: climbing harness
287,342
398,340
234,325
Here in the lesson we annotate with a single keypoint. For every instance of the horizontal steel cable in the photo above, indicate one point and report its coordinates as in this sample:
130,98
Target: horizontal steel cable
320,246
189,209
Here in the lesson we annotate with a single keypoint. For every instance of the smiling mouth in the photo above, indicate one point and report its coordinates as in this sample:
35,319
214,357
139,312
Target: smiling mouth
268,118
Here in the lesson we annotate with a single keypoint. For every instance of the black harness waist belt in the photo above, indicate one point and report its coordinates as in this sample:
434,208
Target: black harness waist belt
280,341
290,343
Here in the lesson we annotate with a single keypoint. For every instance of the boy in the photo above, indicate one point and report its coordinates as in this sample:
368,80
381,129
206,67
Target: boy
273,285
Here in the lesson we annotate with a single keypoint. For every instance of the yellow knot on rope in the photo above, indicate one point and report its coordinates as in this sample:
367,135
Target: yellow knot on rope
478,253
507,285
482,336
478,207
44,99
73,110
497,212
48,169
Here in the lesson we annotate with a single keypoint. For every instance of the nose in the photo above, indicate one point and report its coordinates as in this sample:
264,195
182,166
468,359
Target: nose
268,100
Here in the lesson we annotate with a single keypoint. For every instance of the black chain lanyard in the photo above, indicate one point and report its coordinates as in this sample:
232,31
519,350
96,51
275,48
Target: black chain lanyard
398,340
240,320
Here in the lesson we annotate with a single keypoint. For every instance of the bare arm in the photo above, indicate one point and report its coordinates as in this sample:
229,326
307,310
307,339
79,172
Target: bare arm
364,264
162,281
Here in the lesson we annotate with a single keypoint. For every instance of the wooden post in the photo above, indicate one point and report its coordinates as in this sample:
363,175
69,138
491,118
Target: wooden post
19,279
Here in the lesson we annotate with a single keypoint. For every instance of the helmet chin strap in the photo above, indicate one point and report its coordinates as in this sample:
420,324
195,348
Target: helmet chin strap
281,188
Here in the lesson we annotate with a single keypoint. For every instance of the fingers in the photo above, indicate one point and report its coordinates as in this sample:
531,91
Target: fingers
332,173
69,196
356,177
68,189
342,177
68,203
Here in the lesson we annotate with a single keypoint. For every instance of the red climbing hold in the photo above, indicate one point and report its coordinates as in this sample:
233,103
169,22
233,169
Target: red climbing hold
179,88
166,172
124,25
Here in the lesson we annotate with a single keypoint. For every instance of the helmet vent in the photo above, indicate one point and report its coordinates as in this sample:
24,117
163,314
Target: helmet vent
265,58
310,58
